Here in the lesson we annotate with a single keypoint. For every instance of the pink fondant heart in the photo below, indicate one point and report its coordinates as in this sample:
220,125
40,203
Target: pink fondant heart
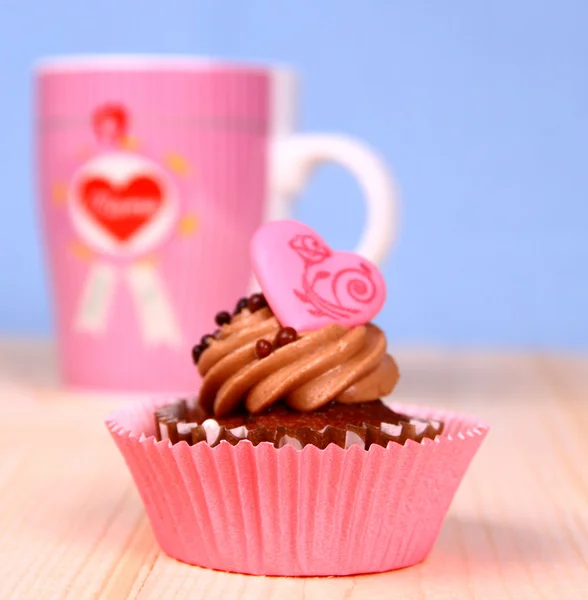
308,285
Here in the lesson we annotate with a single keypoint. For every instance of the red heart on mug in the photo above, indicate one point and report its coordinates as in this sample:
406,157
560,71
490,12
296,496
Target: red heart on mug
121,210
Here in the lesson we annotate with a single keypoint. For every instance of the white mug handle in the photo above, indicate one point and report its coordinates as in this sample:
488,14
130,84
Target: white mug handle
294,158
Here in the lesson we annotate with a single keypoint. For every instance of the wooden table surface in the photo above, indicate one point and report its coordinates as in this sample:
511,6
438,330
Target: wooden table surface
72,525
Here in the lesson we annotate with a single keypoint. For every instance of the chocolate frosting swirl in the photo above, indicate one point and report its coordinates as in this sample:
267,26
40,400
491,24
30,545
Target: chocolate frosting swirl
348,365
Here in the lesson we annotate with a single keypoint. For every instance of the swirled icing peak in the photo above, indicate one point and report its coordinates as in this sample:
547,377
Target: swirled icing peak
308,285
307,370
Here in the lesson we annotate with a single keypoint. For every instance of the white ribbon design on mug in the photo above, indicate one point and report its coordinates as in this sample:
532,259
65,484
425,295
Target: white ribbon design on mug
154,310
123,206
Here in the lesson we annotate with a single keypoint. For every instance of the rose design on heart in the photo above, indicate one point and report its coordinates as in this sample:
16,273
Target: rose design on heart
310,249
355,284
307,284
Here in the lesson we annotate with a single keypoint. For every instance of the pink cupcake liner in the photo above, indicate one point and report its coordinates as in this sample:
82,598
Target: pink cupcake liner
266,511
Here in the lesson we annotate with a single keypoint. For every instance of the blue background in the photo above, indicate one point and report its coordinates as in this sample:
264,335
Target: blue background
480,107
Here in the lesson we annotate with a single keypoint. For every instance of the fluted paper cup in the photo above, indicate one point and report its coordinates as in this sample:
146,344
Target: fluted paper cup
267,511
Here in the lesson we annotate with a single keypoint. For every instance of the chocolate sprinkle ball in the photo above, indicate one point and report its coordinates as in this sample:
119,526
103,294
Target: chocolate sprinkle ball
263,348
222,318
205,341
363,424
243,303
196,352
256,302
285,336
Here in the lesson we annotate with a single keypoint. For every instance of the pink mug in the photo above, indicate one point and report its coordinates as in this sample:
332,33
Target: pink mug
154,174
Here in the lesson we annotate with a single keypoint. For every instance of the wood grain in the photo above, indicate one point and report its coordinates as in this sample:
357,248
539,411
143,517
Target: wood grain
72,525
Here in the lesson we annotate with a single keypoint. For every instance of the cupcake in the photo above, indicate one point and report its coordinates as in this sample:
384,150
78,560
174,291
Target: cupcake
288,461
